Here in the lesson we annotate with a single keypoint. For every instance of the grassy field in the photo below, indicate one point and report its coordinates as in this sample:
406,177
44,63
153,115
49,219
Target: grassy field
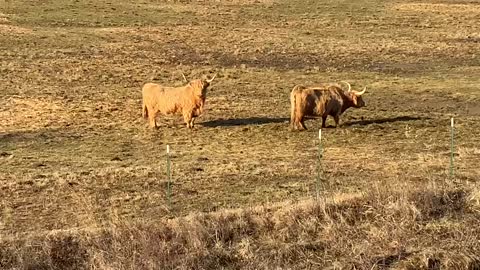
82,177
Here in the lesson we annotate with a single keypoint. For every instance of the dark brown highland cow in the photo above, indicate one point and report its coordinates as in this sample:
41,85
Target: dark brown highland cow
322,101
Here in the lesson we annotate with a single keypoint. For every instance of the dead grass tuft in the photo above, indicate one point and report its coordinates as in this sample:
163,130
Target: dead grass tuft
473,199
377,229
3,18
440,8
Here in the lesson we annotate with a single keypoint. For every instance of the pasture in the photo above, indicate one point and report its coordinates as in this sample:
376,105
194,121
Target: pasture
76,156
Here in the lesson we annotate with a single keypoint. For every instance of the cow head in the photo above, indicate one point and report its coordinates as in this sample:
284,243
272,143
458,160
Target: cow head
356,97
200,86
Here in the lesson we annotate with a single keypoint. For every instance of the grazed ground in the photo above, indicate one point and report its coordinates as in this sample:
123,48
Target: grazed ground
75,152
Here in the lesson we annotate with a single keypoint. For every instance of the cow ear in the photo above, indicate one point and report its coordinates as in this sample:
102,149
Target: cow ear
194,84
201,85
353,98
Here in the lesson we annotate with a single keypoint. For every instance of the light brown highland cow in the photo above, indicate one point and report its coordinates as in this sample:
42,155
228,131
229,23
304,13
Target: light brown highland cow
321,101
187,100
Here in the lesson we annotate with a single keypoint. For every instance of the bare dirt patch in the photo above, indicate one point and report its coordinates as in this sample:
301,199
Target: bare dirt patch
449,7
6,29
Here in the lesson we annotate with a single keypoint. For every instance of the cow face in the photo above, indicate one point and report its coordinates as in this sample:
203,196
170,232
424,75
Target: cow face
200,86
357,99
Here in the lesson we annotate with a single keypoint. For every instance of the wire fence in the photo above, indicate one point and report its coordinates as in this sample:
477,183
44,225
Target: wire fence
321,182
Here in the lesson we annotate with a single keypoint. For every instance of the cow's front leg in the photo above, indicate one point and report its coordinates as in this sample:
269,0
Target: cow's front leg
187,117
337,120
192,122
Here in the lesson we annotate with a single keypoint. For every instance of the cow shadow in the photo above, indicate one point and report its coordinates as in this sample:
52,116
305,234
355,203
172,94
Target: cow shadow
244,121
29,135
384,120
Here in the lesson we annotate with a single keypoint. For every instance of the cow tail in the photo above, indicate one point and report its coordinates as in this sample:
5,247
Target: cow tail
292,105
144,109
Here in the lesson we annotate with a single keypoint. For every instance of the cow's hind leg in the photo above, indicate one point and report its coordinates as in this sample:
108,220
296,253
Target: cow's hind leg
324,121
296,124
152,122
144,110
292,124
151,117
293,120
302,124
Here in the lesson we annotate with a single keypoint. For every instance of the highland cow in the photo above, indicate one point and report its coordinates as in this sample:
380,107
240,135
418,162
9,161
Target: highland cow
325,100
187,100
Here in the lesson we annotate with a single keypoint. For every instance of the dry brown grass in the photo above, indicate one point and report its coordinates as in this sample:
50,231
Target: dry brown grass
408,230
76,158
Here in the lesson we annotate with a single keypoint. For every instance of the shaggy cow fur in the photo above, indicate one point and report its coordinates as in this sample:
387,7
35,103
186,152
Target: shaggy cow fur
321,101
187,100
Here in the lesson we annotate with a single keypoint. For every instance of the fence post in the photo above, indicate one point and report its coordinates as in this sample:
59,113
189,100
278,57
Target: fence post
452,148
169,191
319,164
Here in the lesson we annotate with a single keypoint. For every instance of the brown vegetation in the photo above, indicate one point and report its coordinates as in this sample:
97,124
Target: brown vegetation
375,230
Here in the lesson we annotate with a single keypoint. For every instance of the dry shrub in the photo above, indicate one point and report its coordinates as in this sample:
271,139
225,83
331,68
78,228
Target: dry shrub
421,229
435,205
473,200
65,250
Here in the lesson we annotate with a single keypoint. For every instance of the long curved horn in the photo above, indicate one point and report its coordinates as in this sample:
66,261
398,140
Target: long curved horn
361,93
349,87
209,81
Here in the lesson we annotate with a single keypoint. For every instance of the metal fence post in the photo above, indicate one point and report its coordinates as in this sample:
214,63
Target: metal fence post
319,164
169,188
452,149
